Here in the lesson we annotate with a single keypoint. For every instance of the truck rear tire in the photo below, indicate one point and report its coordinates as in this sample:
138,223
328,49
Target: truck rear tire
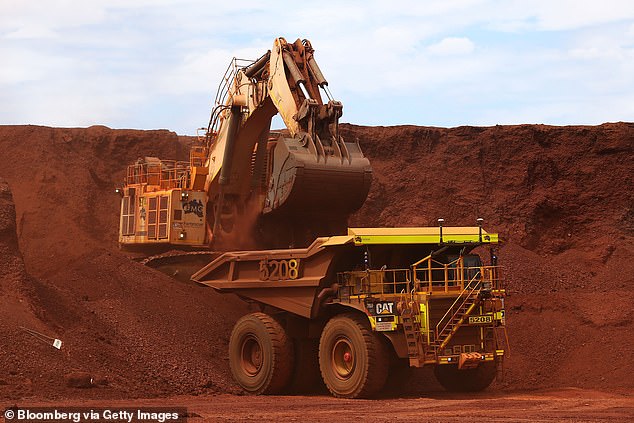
352,358
260,354
467,380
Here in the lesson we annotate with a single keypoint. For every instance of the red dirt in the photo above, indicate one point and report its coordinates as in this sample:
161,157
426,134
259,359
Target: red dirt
138,332
562,405
560,197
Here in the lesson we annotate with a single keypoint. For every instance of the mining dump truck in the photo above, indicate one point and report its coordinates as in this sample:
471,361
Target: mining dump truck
361,307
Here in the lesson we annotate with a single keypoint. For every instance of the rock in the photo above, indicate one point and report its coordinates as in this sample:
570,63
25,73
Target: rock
79,380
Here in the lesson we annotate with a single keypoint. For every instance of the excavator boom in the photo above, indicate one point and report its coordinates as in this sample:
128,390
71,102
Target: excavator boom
308,176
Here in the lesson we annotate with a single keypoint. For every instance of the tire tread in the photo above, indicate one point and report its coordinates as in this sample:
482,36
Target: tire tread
282,353
376,372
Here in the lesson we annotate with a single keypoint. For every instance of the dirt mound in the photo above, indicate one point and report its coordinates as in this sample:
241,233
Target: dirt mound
133,329
560,197
562,201
17,312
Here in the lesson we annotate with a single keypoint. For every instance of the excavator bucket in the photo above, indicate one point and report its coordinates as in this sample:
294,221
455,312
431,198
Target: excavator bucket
305,183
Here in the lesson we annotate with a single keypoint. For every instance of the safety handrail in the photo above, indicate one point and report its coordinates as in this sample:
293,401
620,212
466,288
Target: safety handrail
379,282
396,280
456,265
165,174
224,89
464,295
197,155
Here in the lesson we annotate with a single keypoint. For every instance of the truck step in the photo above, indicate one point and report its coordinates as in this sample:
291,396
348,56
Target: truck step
415,350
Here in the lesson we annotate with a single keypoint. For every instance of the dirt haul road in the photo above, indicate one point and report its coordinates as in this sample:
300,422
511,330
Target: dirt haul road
566,405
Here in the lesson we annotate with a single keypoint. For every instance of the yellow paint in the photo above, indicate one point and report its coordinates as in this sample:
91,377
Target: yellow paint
423,318
451,235
428,235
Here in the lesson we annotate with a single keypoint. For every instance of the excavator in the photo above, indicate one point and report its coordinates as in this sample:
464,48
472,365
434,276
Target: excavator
245,183
354,309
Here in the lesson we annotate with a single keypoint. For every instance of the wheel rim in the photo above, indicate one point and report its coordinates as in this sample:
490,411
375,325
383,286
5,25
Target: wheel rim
251,356
343,358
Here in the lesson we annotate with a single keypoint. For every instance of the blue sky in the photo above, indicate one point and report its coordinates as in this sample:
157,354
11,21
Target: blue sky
157,64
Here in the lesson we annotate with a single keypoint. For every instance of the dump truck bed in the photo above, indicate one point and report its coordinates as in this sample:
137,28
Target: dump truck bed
291,279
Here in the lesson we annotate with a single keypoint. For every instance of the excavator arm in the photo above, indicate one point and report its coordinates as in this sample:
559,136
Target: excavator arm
309,177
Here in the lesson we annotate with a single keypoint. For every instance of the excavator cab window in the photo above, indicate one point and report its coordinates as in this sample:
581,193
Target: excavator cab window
127,215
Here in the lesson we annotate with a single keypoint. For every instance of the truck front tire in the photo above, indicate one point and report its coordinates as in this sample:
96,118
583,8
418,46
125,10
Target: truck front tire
352,358
260,354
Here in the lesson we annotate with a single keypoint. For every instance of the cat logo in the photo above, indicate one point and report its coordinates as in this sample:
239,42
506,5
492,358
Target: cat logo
384,308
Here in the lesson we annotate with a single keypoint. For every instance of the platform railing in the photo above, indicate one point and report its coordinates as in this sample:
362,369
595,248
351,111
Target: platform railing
374,282
430,275
198,155
426,275
163,174
224,92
